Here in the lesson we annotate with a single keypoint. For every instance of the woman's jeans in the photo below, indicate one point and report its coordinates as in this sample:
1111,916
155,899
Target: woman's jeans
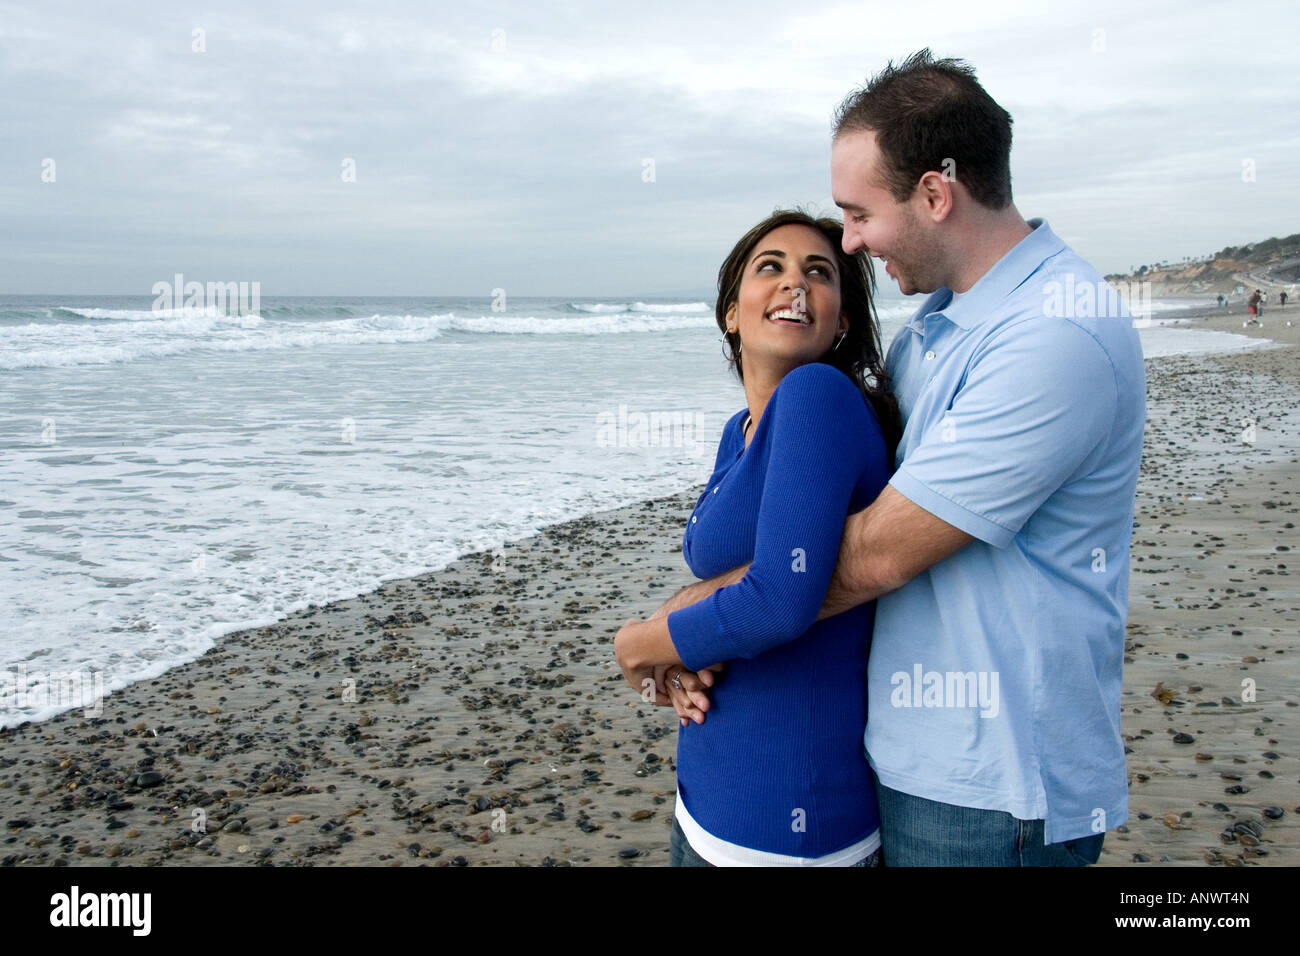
919,832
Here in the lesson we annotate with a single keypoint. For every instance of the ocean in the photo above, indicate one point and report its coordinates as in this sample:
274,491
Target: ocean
169,476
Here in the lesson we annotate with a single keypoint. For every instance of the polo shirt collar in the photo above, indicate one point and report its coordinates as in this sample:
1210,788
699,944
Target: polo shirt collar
1020,262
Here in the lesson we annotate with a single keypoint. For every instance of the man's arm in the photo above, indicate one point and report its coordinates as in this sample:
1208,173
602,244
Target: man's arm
884,546
699,591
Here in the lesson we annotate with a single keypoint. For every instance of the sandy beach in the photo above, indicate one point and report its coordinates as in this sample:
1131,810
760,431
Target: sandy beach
1214,618
474,715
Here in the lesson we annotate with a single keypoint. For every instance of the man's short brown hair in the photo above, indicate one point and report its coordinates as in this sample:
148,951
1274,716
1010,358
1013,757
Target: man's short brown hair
925,112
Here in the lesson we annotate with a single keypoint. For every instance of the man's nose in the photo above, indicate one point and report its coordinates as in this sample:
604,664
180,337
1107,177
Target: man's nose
852,243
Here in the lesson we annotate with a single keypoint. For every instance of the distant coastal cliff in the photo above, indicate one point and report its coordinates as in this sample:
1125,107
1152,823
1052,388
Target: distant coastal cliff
1271,265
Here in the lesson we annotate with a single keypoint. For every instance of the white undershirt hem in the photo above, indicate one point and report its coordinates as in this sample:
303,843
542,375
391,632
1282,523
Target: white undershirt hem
721,853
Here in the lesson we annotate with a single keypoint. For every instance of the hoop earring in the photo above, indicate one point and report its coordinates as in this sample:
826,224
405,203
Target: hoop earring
724,339
838,341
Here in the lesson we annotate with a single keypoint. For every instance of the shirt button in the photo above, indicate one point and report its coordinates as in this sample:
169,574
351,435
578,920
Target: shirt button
715,491
692,519
929,355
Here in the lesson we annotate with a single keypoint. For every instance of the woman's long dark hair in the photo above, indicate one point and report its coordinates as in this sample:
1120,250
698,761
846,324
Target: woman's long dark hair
859,354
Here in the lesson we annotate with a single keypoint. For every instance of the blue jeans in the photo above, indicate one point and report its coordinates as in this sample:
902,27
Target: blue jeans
681,854
919,832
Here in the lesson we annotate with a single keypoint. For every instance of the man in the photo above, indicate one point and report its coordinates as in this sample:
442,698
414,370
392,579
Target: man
999,552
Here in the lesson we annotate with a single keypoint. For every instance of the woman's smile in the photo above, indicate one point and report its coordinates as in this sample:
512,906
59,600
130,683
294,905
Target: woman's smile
787,315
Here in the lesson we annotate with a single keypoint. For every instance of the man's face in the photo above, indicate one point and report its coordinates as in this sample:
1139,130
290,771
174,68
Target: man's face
873,220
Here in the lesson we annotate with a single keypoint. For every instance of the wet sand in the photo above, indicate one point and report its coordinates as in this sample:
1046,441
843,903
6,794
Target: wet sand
474,715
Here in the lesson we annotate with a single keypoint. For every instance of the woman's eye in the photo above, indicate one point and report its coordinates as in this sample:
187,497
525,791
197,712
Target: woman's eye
825,271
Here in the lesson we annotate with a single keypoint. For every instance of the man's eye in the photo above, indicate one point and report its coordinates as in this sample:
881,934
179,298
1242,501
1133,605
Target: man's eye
858,218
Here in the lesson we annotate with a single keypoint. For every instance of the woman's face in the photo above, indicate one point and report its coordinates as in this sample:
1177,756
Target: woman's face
788,308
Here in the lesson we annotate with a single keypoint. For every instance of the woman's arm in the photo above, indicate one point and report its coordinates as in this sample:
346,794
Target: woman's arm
820,437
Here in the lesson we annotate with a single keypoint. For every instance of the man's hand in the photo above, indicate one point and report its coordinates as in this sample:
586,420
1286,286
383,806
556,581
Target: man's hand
649,663
691,700
641,676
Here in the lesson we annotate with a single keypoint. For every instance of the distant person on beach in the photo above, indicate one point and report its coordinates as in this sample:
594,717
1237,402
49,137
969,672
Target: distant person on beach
777,776
1281,298
1220,301
1254,303
999,551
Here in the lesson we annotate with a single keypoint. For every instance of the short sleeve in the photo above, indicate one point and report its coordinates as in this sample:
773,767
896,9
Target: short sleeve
1037,400
817,437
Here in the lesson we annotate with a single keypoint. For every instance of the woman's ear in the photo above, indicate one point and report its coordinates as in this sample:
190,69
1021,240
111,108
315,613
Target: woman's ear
731,315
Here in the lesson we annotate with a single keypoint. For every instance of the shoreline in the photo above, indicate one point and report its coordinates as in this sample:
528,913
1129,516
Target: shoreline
265,742
186,646
485,705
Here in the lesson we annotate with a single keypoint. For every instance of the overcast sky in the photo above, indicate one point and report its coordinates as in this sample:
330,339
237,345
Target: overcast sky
504,144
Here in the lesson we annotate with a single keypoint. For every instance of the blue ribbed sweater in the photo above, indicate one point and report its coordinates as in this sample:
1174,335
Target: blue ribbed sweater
781,745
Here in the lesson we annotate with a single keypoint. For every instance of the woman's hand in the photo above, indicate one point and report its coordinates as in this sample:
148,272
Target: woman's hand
646,655
687,690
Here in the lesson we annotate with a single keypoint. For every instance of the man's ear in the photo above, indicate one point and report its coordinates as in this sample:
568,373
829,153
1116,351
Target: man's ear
936,193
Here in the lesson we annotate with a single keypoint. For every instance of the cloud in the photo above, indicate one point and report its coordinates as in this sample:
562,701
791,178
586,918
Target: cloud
503,144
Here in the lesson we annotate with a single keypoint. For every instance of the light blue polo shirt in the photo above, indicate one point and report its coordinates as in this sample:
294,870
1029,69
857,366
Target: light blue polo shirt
994,677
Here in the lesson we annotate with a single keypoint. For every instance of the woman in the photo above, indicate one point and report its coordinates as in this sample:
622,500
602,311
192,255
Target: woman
776,774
